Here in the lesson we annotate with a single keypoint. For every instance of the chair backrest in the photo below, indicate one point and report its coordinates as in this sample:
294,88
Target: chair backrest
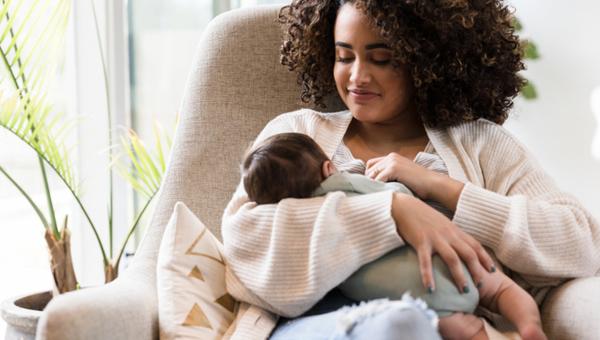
236,85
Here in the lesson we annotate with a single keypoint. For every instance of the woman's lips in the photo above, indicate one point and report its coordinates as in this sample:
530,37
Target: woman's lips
362,96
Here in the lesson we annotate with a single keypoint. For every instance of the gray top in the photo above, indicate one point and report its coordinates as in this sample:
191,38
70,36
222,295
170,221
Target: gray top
356,184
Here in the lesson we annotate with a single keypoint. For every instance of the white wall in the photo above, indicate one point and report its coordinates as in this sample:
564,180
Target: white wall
559,126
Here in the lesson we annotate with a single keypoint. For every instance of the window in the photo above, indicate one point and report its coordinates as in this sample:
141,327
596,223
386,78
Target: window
157,54
24,260
163,36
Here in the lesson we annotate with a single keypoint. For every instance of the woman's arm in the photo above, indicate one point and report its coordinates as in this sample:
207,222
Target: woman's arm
518,210
285,257
445,190
289,255
532,226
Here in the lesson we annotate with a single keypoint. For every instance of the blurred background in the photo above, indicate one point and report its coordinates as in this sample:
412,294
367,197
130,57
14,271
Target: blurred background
562,126
149,46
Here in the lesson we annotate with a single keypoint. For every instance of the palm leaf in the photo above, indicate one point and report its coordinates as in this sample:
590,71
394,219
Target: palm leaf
17,25
35,207
30,54
157,131
30,44
143,168
31,41
30,128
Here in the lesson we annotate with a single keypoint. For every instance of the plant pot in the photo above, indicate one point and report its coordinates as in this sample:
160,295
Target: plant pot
21,314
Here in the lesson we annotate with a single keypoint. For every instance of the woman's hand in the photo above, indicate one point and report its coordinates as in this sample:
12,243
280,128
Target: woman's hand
424,183
395,167
429,232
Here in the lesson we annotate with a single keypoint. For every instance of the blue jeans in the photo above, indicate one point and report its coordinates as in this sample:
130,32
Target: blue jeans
336,317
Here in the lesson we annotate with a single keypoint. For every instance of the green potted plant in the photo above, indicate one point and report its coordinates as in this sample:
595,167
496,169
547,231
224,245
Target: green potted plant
31,41
530,52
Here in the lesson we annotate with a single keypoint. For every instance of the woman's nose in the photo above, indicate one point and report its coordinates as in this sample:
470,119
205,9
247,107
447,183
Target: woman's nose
360,73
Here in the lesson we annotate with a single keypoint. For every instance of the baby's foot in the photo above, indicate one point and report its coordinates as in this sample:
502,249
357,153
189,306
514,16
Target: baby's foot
462,326
532,331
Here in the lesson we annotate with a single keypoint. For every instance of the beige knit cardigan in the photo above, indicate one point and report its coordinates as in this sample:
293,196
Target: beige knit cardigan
282,258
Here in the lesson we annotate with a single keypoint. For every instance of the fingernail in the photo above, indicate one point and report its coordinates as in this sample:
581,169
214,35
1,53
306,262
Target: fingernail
493,269
430,289
479,285
465,289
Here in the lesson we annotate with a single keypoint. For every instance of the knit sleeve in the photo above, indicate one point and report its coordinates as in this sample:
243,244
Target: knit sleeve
533,227
285,257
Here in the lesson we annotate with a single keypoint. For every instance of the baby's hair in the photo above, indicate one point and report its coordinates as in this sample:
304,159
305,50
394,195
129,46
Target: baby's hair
284,165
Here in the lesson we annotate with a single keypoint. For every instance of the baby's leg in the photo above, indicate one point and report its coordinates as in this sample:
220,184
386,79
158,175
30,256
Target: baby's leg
501,294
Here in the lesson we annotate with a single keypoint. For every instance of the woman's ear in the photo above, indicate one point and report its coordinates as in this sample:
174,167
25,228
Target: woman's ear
328,168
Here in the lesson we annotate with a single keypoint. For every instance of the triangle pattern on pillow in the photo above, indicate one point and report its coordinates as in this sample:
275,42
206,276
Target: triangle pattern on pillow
209,250
197,318
196,273
227,302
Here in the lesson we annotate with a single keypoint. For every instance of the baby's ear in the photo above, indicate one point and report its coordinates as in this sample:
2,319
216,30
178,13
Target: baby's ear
328,168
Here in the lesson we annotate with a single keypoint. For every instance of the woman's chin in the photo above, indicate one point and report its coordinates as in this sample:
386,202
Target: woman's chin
365,116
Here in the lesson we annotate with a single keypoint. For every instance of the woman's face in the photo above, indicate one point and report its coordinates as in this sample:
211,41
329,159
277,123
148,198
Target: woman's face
372,89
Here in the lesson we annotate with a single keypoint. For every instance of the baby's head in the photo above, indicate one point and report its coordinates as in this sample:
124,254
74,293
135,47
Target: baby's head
284,165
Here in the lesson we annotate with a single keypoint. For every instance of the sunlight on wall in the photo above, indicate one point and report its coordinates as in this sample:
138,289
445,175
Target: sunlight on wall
595,104
559,127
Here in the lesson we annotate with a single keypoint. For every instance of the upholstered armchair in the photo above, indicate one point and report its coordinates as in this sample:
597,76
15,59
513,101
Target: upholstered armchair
235,86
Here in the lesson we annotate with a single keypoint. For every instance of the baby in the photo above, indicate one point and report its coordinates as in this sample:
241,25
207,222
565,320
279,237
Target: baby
292,165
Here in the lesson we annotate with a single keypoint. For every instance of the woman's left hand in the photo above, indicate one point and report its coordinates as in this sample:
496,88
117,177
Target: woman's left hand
395,167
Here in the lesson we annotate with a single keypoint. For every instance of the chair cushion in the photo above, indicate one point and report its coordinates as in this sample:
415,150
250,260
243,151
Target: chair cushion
192,299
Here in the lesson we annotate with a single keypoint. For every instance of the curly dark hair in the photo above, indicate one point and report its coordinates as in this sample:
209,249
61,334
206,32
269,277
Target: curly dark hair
463,55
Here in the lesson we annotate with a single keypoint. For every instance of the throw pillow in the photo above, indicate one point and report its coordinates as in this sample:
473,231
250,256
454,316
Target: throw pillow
192,298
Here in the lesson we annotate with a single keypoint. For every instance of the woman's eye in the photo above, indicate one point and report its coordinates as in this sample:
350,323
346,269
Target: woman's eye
381,62
380,57
343,60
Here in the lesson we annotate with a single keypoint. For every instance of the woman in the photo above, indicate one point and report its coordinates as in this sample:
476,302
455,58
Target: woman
416,77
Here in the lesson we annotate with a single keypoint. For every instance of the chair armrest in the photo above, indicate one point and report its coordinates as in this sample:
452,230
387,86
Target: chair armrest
123,309
572,310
